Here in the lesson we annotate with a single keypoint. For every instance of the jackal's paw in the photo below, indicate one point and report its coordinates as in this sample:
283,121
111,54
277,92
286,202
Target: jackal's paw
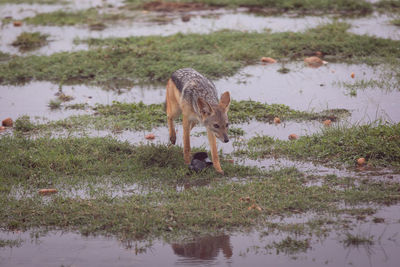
220,172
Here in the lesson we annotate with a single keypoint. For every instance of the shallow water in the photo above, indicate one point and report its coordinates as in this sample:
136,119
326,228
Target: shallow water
143,24
303,88
230,249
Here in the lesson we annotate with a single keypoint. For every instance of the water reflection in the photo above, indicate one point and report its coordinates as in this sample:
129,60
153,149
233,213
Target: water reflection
205,248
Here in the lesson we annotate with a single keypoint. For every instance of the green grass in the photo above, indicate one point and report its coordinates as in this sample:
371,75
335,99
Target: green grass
388,5
378,144
90,17
290,246
160,209
138,116
27,41
310,6
33,1
395,22
153,59
357,240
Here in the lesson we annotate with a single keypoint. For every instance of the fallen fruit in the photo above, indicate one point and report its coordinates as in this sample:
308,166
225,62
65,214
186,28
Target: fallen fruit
327,122
352,75
2,128
269,60
361,161
47,191
8,122
230,161
17,23
277,120
150,136
314,62
293,137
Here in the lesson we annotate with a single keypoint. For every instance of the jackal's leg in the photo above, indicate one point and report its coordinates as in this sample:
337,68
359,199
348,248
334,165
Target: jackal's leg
173,110
186,139
214,152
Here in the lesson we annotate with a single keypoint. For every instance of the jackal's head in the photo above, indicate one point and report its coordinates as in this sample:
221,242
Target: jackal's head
215,117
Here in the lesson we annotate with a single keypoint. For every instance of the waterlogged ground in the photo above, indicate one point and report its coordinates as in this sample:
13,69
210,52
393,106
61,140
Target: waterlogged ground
124,200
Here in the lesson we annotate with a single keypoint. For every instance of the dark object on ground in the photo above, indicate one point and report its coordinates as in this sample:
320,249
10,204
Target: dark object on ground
200,161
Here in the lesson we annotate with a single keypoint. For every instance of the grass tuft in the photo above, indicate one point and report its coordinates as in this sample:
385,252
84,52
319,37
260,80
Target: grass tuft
378,144
27,41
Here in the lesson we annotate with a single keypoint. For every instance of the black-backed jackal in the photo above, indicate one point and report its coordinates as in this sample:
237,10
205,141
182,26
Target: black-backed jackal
195,96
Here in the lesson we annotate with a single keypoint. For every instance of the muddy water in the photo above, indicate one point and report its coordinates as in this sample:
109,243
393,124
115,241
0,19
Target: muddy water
233,249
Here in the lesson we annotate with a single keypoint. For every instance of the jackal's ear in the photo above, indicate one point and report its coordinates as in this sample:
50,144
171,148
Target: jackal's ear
204,107
225,100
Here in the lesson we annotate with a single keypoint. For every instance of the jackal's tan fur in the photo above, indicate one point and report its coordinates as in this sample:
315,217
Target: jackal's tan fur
195,96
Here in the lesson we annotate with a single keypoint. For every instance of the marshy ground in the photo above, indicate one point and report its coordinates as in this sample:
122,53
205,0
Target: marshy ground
84,83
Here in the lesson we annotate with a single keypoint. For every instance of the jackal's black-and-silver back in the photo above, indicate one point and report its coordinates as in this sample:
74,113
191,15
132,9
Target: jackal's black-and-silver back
193,85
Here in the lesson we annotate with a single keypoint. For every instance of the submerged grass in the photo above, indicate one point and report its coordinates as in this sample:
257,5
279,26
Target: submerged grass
27,41
224,204
153,59
378,144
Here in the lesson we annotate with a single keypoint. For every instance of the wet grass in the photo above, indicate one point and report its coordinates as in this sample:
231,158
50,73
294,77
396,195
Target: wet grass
388,6
33,1
153,59
139,116
27,41
395,22
225,203
90,17
357,240
290,246
303,7
378,143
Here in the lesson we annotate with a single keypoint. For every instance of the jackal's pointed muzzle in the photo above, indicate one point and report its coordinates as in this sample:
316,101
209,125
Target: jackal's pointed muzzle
226,138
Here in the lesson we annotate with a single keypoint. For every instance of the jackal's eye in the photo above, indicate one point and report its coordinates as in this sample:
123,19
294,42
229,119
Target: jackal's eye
216,126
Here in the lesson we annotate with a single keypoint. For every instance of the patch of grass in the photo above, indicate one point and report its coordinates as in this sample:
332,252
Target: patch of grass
378,144
79,106
388,5
28,41
4,56
395,22
23,124
33,1
36,163
139,116
309,7
90,17
153,59
55,104
357,240
10,243
290,246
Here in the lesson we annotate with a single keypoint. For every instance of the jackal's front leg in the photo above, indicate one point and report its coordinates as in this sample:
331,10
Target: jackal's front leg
186,139
214,152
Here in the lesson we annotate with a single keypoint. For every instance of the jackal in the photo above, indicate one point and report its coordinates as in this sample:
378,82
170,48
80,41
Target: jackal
195,96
